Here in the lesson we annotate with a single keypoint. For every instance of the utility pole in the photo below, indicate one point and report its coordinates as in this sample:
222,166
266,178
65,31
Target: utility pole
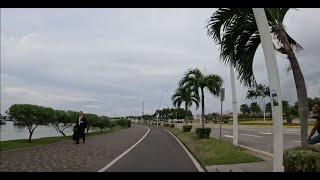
221,99
274,84
234,107
142,111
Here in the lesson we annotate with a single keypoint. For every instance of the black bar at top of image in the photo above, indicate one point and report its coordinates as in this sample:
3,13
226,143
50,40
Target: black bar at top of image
153,3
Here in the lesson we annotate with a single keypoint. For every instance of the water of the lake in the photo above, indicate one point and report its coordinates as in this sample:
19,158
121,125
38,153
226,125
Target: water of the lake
11,132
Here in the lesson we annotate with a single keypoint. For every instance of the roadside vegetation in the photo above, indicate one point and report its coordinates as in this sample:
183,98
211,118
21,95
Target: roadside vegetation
210,151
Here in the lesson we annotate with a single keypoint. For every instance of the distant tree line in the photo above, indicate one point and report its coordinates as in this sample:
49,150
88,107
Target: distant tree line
31,116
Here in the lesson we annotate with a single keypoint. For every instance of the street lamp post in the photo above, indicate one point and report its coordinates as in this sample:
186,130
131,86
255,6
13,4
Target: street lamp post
234,107
274,83
160,104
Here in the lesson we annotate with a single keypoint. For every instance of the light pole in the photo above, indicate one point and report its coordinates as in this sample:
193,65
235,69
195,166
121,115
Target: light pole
221,99
274,83
160,104
142,112
234,107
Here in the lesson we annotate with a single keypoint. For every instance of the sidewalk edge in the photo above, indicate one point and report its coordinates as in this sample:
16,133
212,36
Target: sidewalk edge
270,155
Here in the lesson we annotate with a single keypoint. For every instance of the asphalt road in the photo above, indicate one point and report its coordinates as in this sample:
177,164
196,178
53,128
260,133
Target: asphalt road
158,152
260,138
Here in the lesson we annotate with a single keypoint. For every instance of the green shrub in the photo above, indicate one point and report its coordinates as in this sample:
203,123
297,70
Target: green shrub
225,121
172,125
203,132
302,160
186,128
123,122
166,125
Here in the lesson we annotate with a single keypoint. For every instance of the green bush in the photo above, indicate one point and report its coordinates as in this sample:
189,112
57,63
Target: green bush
203,132
171,125
225,121
166,125
186,128
302,160
123,122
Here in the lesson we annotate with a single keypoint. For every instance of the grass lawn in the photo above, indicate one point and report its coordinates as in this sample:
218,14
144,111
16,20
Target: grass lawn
211,151
23,143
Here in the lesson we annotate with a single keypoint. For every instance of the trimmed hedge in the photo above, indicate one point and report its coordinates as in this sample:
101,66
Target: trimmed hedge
168,125
302,160
186,128
203,132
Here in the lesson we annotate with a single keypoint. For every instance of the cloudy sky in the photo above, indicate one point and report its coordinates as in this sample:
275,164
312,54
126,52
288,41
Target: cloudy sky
108,61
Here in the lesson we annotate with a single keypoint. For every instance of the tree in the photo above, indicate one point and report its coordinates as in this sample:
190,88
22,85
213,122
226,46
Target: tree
312,102
61,121
287,111
244,108
30,116
268,108
259,91
254,108
197,81
240,39
187,96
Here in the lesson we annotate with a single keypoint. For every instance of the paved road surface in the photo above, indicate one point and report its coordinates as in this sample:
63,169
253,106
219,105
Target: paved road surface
255,137
67,156
260,138
158,152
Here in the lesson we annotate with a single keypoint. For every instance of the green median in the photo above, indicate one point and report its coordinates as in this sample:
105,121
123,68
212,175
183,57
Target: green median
24,143
211,151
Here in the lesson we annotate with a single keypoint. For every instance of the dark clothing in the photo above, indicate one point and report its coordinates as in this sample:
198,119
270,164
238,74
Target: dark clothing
79,129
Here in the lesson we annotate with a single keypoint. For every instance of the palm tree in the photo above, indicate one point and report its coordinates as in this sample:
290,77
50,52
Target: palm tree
186,96
235,30
197,81
259,91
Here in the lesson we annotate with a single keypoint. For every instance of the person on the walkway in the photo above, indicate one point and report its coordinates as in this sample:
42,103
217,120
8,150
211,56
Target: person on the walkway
80,128
316,139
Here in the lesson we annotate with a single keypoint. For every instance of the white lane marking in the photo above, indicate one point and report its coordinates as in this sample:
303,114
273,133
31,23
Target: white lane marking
297,141
265,133
123,154
250,135
290,130
193,159
228,136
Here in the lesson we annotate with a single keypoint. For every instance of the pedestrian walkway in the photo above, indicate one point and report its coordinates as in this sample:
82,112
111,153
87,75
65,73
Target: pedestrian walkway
66,156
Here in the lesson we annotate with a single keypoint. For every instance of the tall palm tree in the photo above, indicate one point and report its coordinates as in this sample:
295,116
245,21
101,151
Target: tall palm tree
187,96
198,81
235,30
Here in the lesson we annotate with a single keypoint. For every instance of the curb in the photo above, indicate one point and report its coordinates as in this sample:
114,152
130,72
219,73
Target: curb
270,155
193,159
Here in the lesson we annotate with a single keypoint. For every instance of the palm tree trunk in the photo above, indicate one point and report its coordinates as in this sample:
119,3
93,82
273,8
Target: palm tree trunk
202,104
300,86
264,109
185,116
